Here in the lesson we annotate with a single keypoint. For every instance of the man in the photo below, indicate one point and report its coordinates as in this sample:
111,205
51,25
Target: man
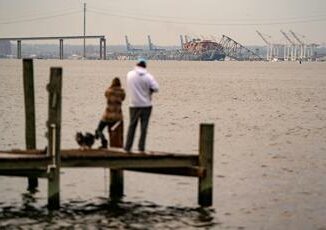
140,86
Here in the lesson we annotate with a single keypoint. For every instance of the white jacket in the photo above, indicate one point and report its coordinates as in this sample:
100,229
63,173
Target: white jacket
140,86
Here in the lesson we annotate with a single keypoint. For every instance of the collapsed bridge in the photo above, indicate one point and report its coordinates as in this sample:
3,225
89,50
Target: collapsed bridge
194,49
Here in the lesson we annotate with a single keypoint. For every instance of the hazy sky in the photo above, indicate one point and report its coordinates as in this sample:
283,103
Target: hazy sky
165,20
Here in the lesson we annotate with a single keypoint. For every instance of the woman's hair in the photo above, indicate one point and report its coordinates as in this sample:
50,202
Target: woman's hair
116,82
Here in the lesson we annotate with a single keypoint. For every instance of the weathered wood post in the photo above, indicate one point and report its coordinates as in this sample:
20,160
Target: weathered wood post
205,183
54,131
116,175
30,130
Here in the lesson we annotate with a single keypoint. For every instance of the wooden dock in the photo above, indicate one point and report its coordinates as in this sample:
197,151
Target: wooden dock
114,158
34,163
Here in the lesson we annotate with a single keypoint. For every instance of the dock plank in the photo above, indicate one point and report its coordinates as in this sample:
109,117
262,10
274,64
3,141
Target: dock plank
117,158
114,158
20,161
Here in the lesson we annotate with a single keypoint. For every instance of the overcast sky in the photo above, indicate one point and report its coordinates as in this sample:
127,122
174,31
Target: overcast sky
165,20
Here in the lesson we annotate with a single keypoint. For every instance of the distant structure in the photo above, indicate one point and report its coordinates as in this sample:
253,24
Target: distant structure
151,46
191,49
181,41
269,49
61,38
306,51
186,38
202,50
234,50
273,49
302,46
5,48
295,48
291,53
129,47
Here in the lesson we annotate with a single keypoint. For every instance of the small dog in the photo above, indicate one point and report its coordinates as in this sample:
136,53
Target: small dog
85,141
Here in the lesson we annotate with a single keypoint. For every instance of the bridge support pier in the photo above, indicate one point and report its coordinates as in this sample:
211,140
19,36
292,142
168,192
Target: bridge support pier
19,49
61,49
103,48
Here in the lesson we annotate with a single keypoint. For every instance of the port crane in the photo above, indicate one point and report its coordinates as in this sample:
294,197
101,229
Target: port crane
290,53
151,46
269,55
306,50
130,48
127,43
303,47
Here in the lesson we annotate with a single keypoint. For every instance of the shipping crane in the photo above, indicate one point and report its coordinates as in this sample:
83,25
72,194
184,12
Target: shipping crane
127,43
151,45
308,49
269,55
291,48
302,45
129,46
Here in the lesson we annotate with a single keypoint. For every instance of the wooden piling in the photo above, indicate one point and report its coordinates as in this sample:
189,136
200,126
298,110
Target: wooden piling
205,183
54,132
30,130
116,175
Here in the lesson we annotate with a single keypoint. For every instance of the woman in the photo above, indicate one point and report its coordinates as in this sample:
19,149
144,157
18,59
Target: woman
112,117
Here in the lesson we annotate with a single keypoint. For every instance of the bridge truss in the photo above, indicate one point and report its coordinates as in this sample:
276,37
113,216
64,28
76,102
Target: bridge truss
236,51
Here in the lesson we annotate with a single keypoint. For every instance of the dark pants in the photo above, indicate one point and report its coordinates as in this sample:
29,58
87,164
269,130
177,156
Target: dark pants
99,131
136,114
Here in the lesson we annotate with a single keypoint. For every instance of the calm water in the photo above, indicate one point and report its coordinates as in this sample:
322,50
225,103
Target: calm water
270,132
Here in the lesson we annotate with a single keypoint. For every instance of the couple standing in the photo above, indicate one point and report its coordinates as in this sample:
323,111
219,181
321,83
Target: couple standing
140,87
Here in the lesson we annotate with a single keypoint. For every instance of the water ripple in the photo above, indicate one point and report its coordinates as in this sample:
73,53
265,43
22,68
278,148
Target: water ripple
100,214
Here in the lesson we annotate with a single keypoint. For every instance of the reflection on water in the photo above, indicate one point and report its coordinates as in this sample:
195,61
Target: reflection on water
99,213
